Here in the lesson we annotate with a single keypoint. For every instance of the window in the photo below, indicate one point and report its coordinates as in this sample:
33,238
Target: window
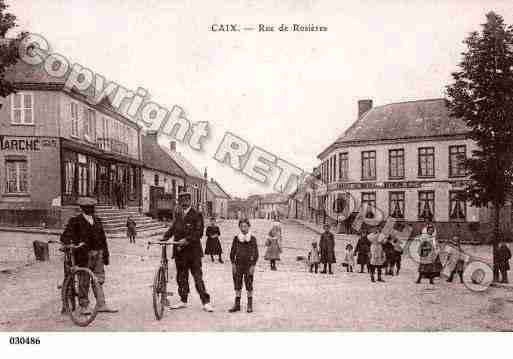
334,170
74,119
22,109
92,178
396,204
426,162
173,188
457,207
69,176
133,180
89,123
16,176
369,204
396,163
368,165
343,165
156,180
457,157
82,180
426,205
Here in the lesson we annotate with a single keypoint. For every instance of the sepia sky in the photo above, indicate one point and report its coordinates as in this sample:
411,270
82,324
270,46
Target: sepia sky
290,93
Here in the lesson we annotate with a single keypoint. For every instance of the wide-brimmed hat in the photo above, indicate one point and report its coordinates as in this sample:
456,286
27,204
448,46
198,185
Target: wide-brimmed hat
86,201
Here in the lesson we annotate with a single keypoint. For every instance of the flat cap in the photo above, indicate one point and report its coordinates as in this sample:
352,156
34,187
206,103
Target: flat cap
184,195
86,201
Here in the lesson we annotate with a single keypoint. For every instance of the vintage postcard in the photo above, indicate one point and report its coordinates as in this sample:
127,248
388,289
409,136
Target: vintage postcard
284,166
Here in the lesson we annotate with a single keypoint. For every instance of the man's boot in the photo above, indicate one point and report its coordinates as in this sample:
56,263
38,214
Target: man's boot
329,267
361,268
379,277
250,305
220,259
236,306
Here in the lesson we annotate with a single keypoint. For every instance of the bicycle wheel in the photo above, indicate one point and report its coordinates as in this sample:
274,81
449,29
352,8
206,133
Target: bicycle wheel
78,297
159,293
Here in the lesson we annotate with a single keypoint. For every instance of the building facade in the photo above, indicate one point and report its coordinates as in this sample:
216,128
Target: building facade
403,160
217,200
195,183
58,145
163,179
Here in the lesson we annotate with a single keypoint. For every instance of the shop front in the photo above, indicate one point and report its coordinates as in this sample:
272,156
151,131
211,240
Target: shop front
87,171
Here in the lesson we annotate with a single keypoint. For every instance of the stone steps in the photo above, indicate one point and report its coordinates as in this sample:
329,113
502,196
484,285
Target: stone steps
114,222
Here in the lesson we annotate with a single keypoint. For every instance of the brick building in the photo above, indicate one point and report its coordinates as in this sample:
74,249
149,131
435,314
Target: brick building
402,160
58,145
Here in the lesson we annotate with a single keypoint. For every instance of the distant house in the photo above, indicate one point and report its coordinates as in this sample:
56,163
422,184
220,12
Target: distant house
217,200
273,205
162,177
195,183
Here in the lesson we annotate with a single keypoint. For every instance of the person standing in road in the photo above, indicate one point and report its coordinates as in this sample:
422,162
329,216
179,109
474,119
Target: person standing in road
503,257
377,254
362,250
244,256
327,248
131,230
187,231
87,229
213,244
429,266
314,257
273,244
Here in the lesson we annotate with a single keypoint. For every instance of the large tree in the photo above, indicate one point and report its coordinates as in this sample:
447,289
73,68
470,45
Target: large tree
8,47
482,95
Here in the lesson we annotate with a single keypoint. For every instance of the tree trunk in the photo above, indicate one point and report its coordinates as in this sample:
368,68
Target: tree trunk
495,243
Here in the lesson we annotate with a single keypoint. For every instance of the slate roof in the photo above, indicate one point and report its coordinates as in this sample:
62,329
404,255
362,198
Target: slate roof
217,190
155,158
179,159
404,120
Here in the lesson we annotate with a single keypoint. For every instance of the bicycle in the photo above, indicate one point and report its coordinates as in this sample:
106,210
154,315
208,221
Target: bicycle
77,280
159,288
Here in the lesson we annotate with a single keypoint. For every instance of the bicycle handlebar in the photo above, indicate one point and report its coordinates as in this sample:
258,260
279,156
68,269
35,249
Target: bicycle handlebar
162,243
66,246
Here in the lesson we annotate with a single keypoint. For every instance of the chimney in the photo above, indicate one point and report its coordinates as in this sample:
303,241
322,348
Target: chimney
363,107
172,146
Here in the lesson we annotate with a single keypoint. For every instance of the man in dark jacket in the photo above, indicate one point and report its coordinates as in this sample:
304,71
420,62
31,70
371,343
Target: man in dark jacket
187,252
87,229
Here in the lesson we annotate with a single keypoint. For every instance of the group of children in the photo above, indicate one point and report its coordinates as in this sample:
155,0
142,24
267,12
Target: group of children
388,258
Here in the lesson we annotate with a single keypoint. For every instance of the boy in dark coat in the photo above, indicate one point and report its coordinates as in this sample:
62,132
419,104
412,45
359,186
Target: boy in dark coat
327,249
213,244
244,256
503,257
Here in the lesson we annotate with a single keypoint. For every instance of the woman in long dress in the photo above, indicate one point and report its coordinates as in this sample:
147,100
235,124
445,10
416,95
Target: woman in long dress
430,265
213,244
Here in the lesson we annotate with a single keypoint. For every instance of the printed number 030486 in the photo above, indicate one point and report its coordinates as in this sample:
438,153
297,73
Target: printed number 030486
24,340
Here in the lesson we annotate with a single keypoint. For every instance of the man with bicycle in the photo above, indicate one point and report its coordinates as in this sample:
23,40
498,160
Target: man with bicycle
187,230
86,230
